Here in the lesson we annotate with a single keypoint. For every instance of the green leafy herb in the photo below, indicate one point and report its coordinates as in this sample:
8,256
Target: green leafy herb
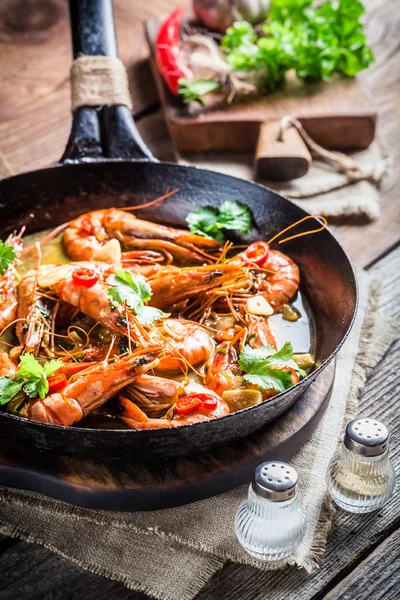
222,351
261,366
134,291
7,255
31,378
314,39
192,90
210,221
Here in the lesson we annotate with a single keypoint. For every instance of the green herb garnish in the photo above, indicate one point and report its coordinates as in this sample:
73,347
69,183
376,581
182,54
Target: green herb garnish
210,221
133,291
314,39
7,256
192,90
31,378
260,366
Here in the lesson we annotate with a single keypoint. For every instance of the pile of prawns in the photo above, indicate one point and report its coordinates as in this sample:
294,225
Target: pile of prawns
214,302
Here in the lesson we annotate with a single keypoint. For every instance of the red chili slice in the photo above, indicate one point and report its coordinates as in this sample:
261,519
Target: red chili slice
209,401
193,402
188,404
87,226
57,382
85,277
256,253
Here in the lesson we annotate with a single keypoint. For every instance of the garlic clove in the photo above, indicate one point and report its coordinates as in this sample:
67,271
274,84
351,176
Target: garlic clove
257,305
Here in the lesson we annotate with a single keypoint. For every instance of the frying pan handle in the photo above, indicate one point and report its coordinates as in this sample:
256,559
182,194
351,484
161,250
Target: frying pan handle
100,131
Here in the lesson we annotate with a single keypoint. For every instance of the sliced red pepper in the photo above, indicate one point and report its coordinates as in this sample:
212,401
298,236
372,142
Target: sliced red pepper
193,402
85,277
167,48
256,253
57,382
188,404
209,401
87,226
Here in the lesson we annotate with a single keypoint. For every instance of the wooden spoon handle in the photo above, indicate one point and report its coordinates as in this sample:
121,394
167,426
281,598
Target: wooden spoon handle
281,160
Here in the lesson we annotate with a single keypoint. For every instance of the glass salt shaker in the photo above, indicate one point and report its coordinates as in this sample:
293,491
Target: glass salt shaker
271,523
360,476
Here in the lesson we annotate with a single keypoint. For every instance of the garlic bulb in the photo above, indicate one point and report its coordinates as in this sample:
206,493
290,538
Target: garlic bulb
220,14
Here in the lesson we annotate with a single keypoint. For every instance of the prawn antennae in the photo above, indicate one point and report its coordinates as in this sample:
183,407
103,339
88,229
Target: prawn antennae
152,202
292,237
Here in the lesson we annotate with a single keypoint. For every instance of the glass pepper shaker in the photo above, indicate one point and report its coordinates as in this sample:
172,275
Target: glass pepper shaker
271,523
360,476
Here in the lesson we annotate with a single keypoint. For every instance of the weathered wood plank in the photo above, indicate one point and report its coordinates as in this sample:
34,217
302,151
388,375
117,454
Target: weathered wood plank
378,576
33,572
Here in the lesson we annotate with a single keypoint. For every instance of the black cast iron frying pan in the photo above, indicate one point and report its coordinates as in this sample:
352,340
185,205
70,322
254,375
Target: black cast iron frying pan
107,164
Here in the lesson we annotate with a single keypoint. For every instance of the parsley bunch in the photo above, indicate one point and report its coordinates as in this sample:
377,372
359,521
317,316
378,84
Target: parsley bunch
261,366
315,41
31,378
134,291
210,221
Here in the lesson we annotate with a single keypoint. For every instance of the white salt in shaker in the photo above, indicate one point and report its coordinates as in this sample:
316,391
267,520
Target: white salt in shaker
271,523
360,476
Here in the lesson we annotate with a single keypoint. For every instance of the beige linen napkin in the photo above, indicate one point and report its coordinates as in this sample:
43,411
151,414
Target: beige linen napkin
171,554
323,191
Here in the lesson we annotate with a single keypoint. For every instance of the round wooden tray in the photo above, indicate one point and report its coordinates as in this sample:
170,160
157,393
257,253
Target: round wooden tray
154,485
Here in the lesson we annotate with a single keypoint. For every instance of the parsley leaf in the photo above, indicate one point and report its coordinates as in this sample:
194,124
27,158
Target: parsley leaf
31,377
261,367
7,255
276,379
134,291
210,221
236,216
9,388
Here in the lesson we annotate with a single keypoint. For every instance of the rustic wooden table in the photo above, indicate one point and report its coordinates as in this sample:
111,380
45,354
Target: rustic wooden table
363,553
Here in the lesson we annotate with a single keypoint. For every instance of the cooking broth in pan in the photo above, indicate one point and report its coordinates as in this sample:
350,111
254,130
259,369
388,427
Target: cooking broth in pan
176,330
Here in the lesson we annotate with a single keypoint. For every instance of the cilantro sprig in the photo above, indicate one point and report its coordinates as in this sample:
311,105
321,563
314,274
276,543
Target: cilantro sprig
31,378
261,367
210,221
7,256
133,291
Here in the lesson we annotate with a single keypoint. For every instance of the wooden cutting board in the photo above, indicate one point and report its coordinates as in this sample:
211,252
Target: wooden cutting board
338,114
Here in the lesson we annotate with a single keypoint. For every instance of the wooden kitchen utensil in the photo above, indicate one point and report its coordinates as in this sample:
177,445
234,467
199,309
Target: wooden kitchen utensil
338,115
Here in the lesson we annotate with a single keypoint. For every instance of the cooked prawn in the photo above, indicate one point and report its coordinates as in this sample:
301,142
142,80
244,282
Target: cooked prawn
139,420
185,342
90,390
7,367
98,235
260,332
223,371
278,278
8,292
173,285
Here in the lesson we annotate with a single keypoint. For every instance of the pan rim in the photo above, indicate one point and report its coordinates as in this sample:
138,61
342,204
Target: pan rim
123,432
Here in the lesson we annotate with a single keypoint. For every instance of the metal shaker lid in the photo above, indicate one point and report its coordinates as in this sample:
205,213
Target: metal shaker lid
275,480
366,437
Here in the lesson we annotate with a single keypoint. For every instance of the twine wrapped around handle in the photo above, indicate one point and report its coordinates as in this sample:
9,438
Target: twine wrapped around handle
338,160
99,81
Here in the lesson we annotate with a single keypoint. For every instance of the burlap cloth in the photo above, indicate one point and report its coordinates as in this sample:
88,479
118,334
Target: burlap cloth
325,190
171,554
